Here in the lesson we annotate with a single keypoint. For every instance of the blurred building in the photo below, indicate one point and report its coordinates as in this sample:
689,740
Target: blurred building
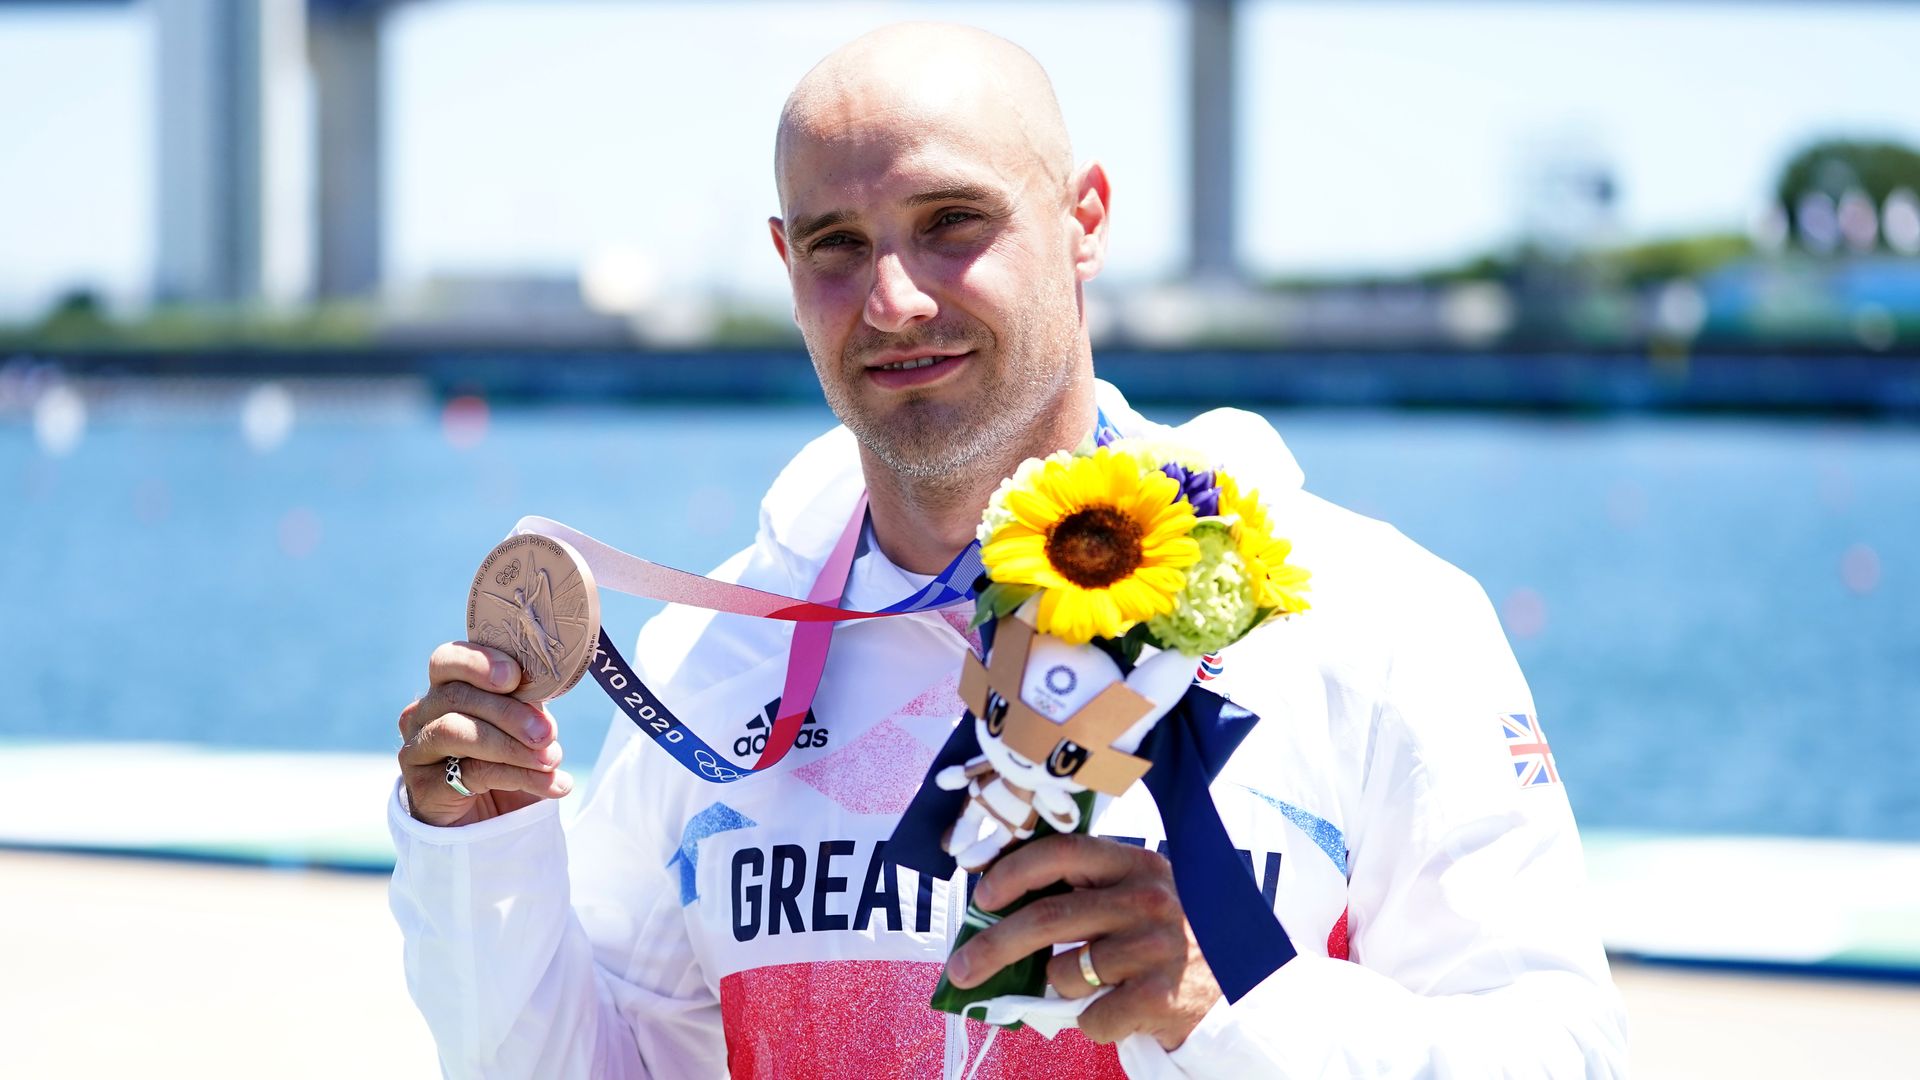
233,103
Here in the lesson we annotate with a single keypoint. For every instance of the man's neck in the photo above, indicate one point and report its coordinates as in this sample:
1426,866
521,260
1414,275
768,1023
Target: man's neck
922,523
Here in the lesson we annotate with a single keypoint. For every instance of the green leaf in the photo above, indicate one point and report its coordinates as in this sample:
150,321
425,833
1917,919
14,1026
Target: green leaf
999,600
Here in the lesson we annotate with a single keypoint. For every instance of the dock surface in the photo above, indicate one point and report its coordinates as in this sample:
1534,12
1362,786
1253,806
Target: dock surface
160,967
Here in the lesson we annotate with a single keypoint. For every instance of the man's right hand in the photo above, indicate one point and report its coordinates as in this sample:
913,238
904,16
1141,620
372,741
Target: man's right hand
508,750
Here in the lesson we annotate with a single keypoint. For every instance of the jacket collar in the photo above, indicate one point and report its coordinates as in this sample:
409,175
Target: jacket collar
809,503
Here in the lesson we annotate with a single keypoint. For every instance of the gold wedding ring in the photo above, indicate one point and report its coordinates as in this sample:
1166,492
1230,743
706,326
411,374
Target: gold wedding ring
1086,967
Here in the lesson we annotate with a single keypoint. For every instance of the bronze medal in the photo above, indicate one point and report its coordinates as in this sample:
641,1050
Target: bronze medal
534,599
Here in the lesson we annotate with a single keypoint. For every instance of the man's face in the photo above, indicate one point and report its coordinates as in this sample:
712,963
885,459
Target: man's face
934,281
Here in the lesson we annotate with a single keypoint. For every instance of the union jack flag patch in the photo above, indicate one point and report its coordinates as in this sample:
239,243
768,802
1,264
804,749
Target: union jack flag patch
1532,760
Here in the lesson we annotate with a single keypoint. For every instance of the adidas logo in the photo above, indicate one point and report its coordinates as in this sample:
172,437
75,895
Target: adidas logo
754,742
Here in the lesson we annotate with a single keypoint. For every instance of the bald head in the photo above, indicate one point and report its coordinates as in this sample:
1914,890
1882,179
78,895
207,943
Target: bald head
896,83
937,234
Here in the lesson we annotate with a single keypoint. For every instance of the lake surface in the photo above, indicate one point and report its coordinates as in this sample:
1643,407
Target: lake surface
1719,617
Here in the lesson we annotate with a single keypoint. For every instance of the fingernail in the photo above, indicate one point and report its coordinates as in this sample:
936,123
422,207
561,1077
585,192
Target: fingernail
550,753
983,896
538,728
563,782
957,970
502,672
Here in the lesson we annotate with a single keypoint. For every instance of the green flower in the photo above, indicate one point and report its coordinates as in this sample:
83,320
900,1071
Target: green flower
1216,608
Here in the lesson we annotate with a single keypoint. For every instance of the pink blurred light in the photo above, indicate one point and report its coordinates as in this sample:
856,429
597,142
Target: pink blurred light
1860,569
464,421
1627,505
1836,487
1525,613
299,532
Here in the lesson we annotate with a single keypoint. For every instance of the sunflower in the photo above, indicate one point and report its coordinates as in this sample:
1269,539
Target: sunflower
1277,585
1103,537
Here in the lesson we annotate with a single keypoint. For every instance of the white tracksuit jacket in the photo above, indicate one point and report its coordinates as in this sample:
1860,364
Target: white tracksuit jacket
678,929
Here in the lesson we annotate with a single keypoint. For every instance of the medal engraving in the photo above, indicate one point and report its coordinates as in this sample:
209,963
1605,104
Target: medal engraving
534,599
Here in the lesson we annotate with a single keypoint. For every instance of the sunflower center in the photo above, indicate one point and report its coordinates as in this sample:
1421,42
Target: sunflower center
1095,547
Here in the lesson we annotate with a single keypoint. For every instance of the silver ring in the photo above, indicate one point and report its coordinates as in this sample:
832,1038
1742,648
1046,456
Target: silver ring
1086,967
453,777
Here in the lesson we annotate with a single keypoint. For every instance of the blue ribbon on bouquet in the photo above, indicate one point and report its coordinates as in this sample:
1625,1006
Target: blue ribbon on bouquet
1240,936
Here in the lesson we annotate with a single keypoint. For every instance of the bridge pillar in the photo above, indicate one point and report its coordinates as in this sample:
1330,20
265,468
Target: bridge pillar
209,146
223,68
344,47
1211,218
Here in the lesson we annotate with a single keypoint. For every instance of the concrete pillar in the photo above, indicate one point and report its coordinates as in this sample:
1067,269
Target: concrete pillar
343,42
225,68
1211,221
210,150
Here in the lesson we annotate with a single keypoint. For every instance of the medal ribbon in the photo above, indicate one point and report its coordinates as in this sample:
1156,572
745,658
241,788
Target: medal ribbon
812,633
806,654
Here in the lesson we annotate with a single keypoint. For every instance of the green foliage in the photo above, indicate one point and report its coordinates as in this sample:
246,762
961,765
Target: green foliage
1837,166
738,327
79,320
998,600
1674,257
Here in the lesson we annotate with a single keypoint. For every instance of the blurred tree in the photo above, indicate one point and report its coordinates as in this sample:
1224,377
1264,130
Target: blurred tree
1656,261
1835,167
77,318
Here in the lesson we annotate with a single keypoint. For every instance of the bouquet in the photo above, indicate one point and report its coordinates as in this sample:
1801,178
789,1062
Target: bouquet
1110,574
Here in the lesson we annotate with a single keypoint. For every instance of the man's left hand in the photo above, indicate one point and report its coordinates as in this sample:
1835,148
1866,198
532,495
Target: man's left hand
1124,905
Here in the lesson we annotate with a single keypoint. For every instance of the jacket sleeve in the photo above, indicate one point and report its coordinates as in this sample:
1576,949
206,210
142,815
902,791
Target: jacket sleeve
1473,952
535,950
524,970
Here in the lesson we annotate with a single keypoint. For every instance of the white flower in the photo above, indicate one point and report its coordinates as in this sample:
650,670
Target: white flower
997,513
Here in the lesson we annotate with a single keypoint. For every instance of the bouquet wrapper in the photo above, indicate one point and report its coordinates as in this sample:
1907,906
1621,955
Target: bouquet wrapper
1025,978
1239,935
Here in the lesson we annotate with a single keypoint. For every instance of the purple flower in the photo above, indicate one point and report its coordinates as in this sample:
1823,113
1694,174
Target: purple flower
1198,487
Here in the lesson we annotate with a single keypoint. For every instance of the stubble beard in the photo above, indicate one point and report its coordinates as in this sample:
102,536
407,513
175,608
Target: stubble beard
952,445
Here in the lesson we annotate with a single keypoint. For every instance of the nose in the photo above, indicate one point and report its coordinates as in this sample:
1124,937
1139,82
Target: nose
896,300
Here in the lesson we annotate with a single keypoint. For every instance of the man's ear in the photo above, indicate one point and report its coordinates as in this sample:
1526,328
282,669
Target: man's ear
1092,203
779,230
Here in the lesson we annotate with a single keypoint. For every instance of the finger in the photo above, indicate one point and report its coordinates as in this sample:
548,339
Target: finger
463,661
1079,915
1116,959
1079,860
462,736
531,724
429,790
1137,1005
482,777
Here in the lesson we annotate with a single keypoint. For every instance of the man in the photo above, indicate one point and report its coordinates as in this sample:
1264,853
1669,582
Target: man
937,236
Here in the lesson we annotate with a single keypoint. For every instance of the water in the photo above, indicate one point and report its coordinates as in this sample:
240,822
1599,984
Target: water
1720,618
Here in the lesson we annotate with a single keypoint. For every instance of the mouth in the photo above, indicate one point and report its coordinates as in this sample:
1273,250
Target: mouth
917,371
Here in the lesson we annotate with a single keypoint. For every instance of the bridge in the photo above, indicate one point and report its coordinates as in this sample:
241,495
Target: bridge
221,66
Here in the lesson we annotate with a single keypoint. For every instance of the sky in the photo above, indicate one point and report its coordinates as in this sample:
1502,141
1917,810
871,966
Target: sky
532,137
